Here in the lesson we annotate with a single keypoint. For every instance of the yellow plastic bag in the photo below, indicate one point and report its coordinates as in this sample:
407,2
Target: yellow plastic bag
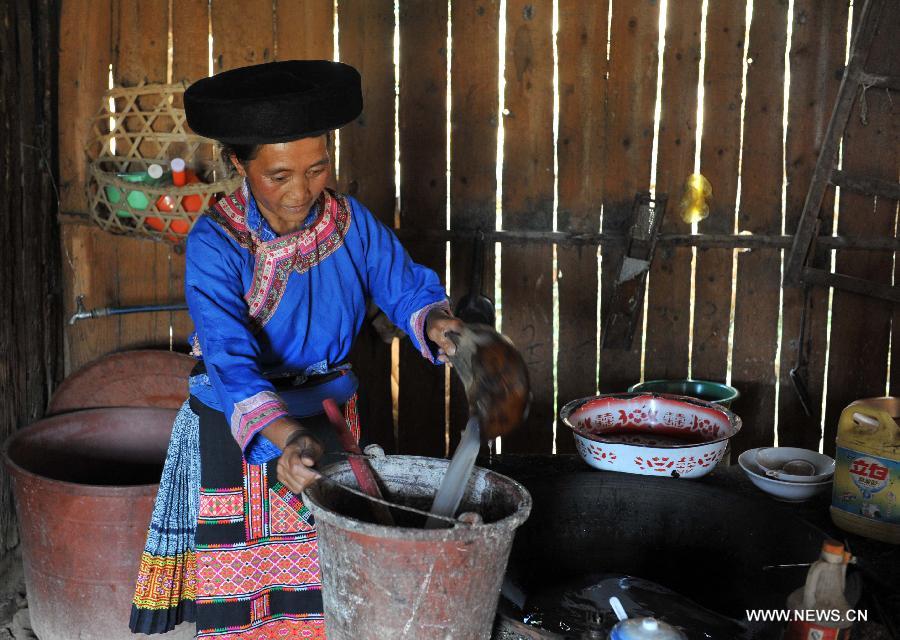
693,205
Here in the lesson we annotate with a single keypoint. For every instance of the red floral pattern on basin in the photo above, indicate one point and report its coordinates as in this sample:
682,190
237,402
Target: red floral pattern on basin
651,434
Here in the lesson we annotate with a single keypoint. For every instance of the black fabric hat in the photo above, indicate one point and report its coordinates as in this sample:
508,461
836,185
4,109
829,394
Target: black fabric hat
274,102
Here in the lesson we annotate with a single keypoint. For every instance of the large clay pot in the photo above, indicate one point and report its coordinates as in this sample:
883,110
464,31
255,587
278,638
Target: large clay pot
84,486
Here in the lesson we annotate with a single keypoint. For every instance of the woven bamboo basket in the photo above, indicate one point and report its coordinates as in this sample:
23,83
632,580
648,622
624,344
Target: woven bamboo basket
135,128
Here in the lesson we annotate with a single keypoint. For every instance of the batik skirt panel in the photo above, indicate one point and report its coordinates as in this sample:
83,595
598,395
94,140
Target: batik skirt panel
256,546
166,586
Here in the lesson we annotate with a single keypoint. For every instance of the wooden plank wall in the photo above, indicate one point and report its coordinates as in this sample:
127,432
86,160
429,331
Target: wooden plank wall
31,316
570,164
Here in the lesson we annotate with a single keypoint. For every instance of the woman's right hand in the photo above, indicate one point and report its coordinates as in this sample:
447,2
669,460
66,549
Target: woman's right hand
298,457
300,451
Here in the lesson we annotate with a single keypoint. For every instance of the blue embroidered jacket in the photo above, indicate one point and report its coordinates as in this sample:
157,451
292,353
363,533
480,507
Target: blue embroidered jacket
267,306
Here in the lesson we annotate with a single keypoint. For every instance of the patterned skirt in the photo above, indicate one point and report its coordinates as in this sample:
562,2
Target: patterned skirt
256,552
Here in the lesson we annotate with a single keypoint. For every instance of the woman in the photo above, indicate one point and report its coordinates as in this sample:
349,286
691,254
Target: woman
277,277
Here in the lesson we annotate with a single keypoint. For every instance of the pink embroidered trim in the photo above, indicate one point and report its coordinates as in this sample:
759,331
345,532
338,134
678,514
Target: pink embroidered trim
296,252
229,213
242,574
417,323
256,504
308,626
221,505
253,414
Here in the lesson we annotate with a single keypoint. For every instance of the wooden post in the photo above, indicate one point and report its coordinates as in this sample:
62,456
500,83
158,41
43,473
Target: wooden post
818,43
758,276
526,274
423,196
719,153
367,173
31,318
473,157
582,138
668,310
629,122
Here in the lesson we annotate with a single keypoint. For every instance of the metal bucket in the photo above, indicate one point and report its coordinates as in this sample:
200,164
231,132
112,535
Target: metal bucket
404,581
84,486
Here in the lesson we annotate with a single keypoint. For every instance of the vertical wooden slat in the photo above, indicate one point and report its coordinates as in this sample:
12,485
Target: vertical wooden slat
668,311
367,172
141,32
527,277
473,155
85,52
582,95
423,195
860,326
140,44
190,40
894,380
304,29
817,57
719,153
629,122
190,62
89,259
758,274
242,33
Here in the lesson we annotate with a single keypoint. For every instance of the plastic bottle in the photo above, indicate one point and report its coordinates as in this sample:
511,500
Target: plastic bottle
155,171
867,469
179,179
645,629
821,600
179,176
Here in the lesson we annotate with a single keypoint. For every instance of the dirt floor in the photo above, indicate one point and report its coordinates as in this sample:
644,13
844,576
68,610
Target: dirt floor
15,624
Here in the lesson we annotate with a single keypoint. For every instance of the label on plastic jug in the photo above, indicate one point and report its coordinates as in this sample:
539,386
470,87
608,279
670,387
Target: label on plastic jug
810,631
866,485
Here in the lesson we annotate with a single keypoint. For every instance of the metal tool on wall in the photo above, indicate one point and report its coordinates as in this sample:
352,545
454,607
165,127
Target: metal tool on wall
625,307
475,307
798,373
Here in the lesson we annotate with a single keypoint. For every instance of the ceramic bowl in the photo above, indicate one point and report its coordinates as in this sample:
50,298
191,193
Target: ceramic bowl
784,463
779,489
650,433
717,392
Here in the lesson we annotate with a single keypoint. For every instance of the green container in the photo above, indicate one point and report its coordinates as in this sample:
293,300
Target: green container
717,392
137,200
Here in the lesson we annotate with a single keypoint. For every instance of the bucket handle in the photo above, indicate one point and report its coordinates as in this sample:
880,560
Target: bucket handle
392,505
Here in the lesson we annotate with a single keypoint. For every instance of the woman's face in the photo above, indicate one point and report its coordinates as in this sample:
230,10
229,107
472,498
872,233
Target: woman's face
286,179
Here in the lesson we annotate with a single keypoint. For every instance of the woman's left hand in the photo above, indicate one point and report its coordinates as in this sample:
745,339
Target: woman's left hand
438,325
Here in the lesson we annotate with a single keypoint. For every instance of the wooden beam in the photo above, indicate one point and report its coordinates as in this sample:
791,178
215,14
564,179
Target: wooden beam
703,241
866,185
849,283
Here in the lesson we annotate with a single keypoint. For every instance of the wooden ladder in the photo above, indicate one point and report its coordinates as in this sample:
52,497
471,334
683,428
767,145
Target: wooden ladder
875,15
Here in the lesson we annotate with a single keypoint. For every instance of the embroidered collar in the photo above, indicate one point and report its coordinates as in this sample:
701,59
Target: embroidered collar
257,224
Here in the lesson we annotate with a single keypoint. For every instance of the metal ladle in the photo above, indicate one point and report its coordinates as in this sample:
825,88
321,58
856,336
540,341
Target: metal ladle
498,390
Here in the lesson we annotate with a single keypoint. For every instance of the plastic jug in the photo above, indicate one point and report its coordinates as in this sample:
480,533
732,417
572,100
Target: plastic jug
867,470
822,599
645,629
